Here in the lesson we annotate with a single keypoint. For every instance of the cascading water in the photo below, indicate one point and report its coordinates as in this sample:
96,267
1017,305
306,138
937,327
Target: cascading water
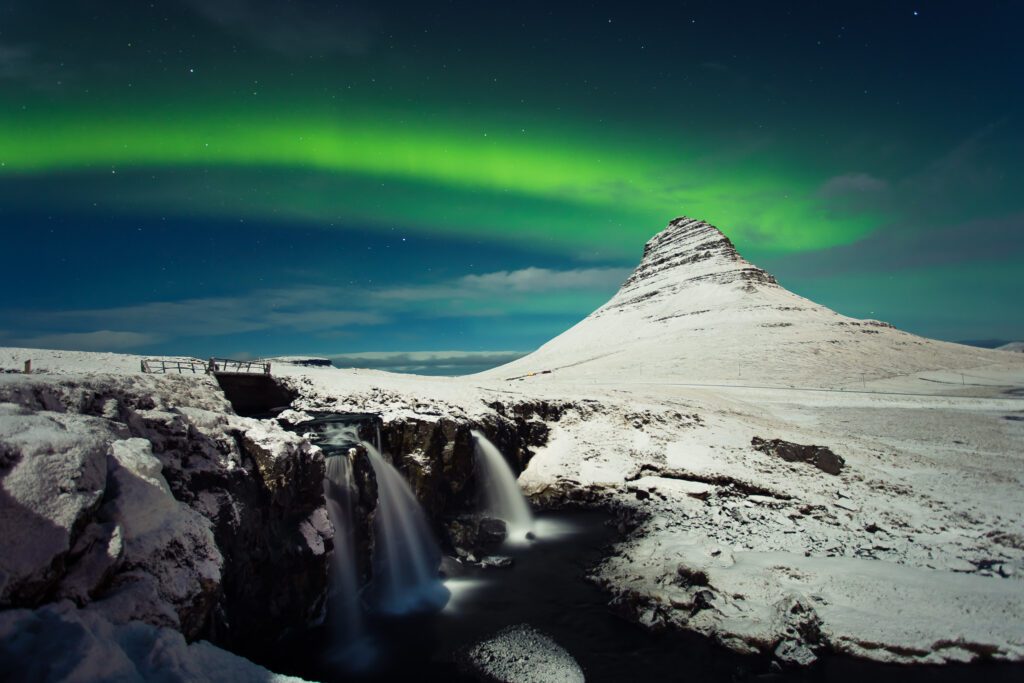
502,496
345,610
406,557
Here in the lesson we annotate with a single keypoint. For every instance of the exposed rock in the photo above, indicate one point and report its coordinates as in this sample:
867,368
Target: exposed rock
290,466
475,534
53,477
436,457
821,457
520,654
93,560
163,538
146,498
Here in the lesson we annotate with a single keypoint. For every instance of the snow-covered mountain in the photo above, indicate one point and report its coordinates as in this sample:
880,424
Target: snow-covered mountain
1017,346
696,310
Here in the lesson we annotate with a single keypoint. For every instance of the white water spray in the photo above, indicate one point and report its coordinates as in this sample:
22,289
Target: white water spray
406,557
348,631
502,496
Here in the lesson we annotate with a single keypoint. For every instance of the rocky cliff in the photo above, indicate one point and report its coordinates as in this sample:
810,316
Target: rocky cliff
145,499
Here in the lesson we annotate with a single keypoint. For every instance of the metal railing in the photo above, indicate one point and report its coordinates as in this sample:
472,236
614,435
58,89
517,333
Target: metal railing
163,366
195,366
237,367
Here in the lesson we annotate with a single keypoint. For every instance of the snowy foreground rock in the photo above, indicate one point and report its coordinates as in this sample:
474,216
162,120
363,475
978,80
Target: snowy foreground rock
791,482
141,500
62,643
521,654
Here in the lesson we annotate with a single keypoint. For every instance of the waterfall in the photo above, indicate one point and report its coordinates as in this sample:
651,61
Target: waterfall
406,557
502,496
345,609
340,435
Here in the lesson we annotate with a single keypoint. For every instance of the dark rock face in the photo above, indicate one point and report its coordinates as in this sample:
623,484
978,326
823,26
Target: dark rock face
242,555
821,457
437,455
517,428
476,535
274,580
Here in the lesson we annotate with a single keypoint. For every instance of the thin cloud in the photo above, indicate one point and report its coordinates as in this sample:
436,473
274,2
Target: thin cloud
293,29
302,309
22,63
544,280
852,185
523,281
100,340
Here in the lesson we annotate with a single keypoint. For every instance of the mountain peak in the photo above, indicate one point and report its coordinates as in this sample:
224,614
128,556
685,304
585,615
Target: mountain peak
696,310
689,252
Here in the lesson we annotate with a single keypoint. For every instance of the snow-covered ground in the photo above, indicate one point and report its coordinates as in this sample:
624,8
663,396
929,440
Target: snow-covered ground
913,552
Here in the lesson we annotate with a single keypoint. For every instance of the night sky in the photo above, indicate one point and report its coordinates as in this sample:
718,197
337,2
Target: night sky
391,180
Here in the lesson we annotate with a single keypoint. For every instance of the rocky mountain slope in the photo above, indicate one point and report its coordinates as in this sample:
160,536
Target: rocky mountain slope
695,310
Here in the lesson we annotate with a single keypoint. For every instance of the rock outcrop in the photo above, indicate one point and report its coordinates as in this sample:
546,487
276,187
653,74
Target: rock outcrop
147,499
821,457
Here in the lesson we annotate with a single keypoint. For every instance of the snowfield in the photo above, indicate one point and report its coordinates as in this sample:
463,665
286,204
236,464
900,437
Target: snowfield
914,552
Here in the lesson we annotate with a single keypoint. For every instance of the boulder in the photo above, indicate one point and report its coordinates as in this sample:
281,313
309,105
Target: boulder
520,654
821,457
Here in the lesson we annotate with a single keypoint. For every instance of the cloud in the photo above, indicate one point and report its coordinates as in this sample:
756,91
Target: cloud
294,29
530,280
299,309
22,63
427,362
543,280
984,240
971,171
100,340
322,312
852,184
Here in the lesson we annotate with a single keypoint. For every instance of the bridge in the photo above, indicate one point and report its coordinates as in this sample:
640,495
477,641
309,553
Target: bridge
247,384
197,366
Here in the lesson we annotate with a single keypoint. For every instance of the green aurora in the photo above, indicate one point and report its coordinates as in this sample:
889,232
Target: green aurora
547,186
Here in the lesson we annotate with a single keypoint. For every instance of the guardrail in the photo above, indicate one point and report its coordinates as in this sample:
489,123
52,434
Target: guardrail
195,366
227,365
163,366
